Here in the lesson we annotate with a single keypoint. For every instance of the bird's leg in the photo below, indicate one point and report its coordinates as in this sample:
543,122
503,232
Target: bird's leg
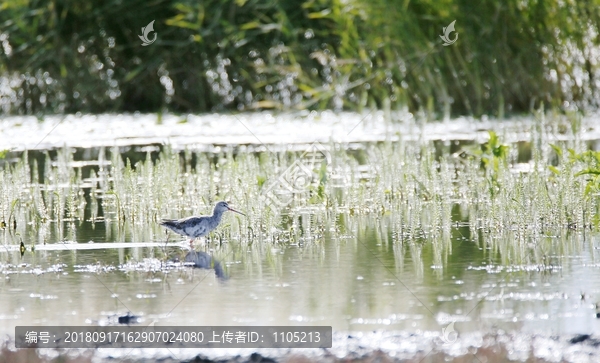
166,241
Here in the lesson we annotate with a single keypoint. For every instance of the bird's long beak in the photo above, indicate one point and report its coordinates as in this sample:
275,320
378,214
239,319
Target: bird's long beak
233,210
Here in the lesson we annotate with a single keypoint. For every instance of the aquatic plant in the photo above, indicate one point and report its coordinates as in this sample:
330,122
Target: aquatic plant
493,157
420,184
588,164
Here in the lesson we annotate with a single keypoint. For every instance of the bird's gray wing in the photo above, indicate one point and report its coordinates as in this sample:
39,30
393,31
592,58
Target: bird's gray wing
178,222
190,221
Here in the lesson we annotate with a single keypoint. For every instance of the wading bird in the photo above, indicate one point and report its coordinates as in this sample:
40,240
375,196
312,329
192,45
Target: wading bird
194,227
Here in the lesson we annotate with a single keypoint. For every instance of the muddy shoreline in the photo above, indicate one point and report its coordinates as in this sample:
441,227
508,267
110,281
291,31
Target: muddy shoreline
378,346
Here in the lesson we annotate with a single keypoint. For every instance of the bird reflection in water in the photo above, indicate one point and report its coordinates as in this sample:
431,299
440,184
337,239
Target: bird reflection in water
204,260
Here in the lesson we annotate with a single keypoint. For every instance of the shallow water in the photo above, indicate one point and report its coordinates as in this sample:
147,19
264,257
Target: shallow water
357,272
261,130
366,281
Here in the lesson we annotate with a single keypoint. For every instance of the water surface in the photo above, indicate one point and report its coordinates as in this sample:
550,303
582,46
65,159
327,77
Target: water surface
356,270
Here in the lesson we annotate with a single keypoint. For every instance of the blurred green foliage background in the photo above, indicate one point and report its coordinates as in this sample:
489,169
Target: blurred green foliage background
65,56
